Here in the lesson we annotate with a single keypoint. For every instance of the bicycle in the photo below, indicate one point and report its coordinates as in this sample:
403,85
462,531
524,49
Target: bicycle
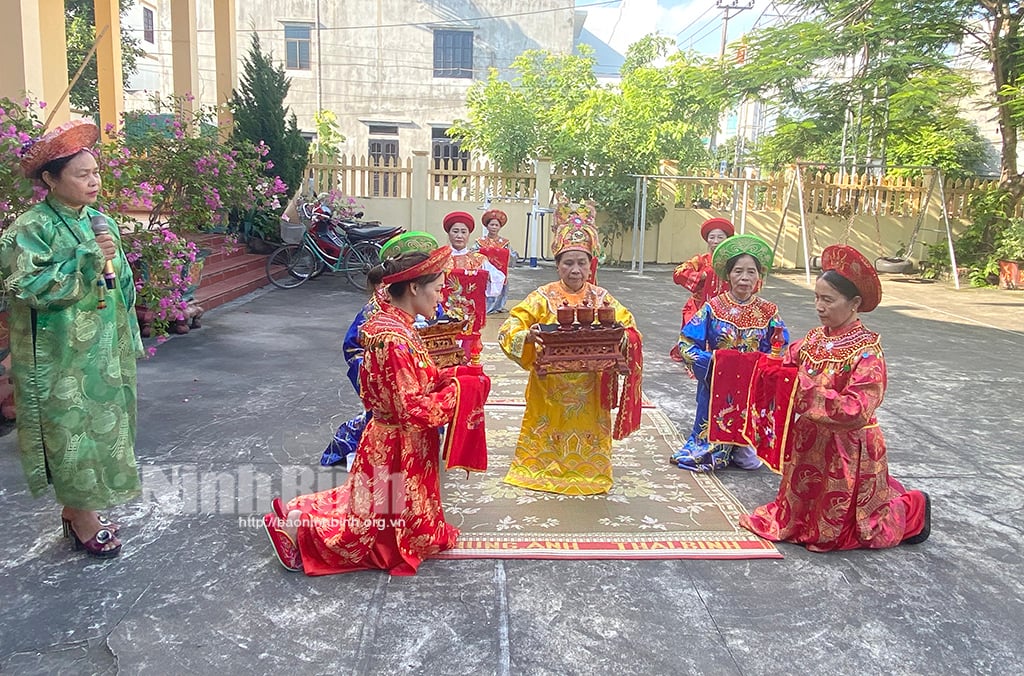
352,247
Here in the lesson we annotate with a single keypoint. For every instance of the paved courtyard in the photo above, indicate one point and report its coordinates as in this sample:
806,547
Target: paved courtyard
240,410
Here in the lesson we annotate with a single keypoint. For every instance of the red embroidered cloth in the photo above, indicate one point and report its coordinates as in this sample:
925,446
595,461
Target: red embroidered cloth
465,444
752,403
465,295
498,256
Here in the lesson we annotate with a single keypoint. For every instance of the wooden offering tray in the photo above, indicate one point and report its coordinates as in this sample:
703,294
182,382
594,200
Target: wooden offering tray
441,338
580,349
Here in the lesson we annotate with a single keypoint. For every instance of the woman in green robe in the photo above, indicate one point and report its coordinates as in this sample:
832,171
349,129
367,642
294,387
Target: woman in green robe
73,342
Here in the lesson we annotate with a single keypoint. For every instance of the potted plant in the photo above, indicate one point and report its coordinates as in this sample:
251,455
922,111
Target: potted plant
163,265
1010,255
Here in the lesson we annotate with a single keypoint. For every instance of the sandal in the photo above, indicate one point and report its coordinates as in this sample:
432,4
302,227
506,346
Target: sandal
284,546
104,522
95,545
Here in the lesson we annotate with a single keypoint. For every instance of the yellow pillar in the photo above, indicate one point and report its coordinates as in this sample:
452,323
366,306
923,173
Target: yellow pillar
29,69
185,53
21,52
109,73
54,61
226,47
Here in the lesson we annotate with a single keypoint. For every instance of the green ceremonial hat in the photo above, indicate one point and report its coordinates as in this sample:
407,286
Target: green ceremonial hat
742,244
410,242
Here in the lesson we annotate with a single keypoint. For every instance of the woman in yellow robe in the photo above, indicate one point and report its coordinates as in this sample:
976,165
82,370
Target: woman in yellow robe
566,439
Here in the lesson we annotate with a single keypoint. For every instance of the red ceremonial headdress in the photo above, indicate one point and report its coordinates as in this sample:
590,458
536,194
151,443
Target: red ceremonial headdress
459,217
492,214
722,224
66,140
437,261
852,265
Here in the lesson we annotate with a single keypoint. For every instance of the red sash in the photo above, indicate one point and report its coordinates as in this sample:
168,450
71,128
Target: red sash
498,256
752,403
630,400
465,444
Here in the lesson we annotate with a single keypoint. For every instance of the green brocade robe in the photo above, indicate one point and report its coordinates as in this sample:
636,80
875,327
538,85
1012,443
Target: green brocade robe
72,364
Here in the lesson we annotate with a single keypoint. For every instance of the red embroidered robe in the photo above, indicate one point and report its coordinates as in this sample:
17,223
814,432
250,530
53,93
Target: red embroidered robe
836,492
388,515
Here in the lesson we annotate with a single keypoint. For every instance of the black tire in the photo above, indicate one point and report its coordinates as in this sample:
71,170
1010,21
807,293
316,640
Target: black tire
321,268
359,258
895,265
289,266
815,262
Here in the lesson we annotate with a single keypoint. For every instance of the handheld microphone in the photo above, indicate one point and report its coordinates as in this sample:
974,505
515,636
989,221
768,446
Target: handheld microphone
99,226
101,292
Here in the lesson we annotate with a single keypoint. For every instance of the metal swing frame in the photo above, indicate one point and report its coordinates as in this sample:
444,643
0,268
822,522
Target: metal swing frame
937,178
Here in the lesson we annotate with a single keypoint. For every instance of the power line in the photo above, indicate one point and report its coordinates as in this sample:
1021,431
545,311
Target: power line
706,33
693,23
712,22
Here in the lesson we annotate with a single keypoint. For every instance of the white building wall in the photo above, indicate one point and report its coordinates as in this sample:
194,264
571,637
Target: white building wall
371,61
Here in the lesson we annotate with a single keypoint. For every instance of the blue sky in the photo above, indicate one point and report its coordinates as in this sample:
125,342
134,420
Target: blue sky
695,24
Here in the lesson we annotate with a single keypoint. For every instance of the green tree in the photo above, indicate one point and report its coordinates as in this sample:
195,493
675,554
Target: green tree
81,34
261,115
533,115
662,108
894,78
864,76
328,136
657,112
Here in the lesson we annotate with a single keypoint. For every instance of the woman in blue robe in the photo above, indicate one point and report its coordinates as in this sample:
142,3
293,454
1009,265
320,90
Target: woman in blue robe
343,446
739,320
346,440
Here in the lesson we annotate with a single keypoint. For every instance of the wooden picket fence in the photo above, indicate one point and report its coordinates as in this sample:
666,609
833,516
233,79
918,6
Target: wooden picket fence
360,176
831,193
461,180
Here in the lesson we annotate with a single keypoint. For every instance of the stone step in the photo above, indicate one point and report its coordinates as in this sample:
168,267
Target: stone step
219,269
243,281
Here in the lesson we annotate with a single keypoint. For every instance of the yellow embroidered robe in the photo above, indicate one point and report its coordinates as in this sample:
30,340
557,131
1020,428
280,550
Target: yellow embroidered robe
565,443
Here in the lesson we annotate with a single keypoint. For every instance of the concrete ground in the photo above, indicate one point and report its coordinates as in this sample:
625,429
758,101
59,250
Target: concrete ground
240,410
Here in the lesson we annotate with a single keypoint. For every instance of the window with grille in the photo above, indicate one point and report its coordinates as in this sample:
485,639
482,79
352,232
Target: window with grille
384,153
297,38
148,26
453,53
447,155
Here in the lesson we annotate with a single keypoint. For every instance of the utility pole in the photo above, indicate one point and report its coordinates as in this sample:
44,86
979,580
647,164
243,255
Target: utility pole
736,6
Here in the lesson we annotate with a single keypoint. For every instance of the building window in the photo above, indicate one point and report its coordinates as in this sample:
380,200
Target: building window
383,130
384,153
453,53
447,155
148,26
297,38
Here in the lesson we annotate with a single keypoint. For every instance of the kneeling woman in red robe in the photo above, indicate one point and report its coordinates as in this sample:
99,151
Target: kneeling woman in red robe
836,492
388,515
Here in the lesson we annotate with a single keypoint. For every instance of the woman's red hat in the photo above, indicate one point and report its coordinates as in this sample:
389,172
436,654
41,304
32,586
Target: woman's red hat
492,214
723,224
852,265
66,140
437,261
459,217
